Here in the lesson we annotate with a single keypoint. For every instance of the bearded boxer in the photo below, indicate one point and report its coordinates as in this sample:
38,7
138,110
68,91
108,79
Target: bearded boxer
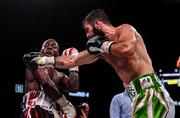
43,85
124,49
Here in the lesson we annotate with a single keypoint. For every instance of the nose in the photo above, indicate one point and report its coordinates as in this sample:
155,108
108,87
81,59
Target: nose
49,48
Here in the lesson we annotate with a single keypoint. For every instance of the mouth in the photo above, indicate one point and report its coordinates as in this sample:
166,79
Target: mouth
49,53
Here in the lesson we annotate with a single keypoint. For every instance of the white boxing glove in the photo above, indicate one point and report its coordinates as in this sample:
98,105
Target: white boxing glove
71,52
44,60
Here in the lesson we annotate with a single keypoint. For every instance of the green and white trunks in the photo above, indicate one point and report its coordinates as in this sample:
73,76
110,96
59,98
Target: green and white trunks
149,98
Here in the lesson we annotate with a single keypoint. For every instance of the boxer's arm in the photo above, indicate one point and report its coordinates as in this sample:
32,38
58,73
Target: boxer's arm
28,79
71,83
84,57
63,62
49,86
43,77
125,46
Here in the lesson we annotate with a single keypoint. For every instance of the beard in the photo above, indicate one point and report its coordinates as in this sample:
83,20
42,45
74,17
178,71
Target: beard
97,32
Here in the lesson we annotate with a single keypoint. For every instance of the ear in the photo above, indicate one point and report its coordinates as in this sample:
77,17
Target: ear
97,24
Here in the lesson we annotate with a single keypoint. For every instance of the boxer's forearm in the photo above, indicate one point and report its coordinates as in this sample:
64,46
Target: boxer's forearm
43,77
85,57
65,62
73,81
81,59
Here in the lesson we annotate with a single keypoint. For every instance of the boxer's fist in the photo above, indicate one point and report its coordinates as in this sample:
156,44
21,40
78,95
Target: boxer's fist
98,44
94,44
44,60
71,52
35,59
29,62
30,56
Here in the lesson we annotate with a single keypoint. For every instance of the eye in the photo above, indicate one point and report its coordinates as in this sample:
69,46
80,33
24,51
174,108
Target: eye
45,46
54,45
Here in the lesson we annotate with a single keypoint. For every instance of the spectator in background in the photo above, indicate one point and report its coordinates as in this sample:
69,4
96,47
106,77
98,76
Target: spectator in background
83,110
120,106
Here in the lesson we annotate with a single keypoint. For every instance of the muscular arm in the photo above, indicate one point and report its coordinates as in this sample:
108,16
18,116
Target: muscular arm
43,76
125,45
62,62
71,83
48,78
82,58
30,82
53,80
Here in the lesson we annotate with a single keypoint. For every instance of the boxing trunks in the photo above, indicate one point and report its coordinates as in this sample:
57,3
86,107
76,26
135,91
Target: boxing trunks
36,104
149,98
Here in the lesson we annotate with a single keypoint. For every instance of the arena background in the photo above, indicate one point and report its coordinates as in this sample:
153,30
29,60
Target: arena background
25,24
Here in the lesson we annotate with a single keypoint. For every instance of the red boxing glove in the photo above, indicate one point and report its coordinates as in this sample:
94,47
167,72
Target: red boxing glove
71,52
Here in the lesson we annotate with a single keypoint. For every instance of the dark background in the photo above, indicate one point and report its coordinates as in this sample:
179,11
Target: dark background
26,24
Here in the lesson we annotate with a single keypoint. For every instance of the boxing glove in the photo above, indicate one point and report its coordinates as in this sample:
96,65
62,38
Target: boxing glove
35,59
71,52
43,60
98,44
29,62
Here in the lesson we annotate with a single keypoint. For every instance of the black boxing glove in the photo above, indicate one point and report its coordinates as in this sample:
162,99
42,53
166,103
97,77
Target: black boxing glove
29,62
98,44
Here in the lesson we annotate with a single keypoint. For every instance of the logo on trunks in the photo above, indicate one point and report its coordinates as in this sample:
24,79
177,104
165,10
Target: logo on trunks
131,90
146,82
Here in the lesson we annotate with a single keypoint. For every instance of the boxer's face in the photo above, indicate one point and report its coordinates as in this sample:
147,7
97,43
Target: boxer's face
51,48
91,30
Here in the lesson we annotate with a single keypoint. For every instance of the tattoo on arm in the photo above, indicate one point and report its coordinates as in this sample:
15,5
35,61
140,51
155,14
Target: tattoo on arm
61,63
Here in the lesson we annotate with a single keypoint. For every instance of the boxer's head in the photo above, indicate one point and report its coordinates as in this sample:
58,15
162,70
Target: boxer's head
50,48
93,23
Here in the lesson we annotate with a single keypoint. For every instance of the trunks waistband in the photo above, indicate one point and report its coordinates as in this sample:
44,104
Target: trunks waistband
142,83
